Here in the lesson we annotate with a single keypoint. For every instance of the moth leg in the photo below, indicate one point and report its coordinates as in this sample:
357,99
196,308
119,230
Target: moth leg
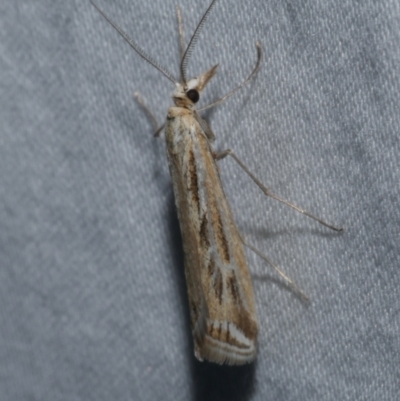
276,268
267,192
229,94
150,115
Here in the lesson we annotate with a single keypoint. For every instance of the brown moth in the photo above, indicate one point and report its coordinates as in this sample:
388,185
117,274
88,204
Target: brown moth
221,300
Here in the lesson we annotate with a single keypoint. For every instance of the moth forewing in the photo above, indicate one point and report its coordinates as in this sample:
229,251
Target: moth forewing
221,301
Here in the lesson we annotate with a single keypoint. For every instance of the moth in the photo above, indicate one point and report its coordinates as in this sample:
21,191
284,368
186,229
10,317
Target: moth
221,300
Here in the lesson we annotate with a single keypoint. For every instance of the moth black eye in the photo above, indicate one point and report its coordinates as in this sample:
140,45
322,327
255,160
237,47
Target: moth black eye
193,95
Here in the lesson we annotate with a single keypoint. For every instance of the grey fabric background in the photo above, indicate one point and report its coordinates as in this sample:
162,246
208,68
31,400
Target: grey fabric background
92,293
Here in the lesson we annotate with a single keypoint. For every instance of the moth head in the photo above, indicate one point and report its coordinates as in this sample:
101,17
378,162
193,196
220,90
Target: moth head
188,93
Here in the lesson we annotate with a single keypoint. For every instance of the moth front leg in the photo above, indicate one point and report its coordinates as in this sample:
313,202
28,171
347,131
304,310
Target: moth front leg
150,115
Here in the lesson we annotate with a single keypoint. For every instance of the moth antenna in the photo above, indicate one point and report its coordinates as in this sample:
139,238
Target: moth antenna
180,31
134,45
193,40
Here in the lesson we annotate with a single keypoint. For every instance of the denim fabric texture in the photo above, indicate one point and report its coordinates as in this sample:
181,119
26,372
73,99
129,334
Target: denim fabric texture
93,301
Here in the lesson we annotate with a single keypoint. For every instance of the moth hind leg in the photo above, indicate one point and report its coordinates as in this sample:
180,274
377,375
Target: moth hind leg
289,281
267,192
